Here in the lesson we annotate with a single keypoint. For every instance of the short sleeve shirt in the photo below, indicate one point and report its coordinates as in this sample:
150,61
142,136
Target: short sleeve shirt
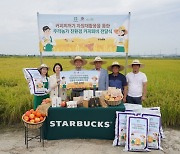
135,83
118,81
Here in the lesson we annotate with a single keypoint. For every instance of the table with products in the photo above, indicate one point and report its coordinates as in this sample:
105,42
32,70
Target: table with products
85,123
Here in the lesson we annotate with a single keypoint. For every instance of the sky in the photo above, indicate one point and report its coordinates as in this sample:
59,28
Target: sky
154,24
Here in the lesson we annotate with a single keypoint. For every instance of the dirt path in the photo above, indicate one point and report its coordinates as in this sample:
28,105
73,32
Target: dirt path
12,141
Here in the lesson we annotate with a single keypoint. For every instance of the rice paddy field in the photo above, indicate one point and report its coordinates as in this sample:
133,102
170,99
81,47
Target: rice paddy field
163,85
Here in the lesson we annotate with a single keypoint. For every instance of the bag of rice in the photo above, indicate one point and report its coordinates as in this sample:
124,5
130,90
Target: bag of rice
137,130
120,128
132,107
161,129
154,139
155,111
154,135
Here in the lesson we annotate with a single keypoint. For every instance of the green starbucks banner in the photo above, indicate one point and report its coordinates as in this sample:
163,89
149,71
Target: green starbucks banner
97,123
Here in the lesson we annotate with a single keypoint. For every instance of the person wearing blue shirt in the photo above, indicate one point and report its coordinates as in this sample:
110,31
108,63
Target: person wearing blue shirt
117,79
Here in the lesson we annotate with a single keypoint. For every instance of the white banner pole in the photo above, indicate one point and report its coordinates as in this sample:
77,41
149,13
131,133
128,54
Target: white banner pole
126,60
39,38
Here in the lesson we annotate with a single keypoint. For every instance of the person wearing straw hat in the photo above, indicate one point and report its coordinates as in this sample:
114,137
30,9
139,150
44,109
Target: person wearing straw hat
43,69
121,40
103,81
79,62
137,83
117,79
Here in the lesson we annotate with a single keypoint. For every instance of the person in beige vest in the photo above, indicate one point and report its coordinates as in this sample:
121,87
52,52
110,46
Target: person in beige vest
54,83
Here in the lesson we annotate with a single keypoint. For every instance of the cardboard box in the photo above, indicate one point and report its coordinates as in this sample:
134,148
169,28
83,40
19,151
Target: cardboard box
88,94
98,93
58,101
85,103
54,102
71,104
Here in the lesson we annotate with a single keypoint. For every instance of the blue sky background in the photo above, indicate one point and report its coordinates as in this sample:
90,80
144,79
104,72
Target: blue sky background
154,27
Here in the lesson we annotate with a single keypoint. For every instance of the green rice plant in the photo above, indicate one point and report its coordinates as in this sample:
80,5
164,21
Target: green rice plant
163,85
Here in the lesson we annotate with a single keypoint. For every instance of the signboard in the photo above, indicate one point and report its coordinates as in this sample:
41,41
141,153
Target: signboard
79,79
98,123
34,80
83,33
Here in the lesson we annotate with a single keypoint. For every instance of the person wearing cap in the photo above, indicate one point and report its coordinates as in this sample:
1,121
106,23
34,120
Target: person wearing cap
137,83
103,81
117,79
43,70
78,62
54,82
47,40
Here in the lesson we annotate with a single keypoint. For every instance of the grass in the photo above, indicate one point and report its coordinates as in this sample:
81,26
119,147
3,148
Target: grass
163,86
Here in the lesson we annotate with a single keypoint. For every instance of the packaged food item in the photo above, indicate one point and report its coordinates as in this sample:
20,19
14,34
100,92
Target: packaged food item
79,100
85,103
58,101
97,102
154,111
132,107
155,128
137,130
98,93
161,129
113,94
154,138
102,102
71,104
54,101
91,102
88,94
120,128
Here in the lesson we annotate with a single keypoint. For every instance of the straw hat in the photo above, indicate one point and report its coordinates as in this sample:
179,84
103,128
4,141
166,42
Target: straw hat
136,62
115,63
78,58
98,59
120,29
43,66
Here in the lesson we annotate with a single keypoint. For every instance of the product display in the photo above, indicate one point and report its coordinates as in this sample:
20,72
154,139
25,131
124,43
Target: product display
138,128
120,128
71,104
113,96
33,119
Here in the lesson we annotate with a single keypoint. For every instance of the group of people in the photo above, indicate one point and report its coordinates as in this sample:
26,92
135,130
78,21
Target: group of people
133,85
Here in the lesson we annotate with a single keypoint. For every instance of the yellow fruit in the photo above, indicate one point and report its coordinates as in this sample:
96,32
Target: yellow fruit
107,97
111,99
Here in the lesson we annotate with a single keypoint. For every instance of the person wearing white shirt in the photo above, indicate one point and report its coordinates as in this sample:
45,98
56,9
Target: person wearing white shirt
137,84
54,82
